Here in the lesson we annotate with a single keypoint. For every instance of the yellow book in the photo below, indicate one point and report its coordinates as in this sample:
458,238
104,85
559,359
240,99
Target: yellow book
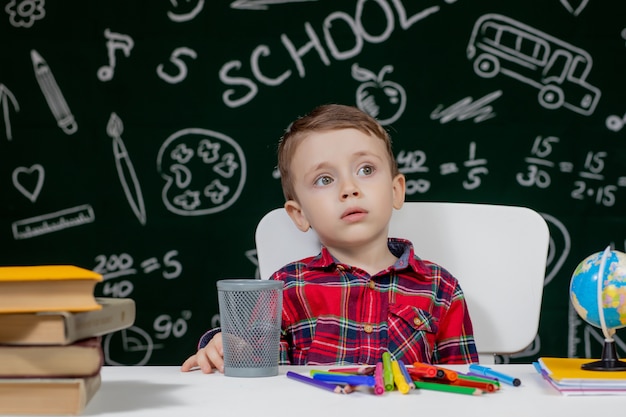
30,289
569,370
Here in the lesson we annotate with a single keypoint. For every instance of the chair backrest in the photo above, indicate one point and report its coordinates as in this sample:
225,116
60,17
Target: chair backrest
498,253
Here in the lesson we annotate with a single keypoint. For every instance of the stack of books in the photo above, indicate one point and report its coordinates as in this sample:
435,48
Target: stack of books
51,326
567,377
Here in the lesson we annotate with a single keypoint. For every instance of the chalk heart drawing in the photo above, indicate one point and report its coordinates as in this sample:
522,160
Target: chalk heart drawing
23,181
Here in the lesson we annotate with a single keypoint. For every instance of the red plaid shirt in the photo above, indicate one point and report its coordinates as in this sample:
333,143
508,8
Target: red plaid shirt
337,314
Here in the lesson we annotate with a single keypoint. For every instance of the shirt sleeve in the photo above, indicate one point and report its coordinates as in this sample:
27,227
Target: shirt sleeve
206,338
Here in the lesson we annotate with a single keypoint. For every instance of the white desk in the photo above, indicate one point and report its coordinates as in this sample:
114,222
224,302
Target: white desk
166,391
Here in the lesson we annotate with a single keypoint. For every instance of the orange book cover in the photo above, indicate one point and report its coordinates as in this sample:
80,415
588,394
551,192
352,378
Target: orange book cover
29,289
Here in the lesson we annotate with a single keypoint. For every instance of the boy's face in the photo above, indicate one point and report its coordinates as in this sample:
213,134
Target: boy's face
344,186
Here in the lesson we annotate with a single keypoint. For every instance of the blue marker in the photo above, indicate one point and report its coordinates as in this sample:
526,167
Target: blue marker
488,372
406,375
346,379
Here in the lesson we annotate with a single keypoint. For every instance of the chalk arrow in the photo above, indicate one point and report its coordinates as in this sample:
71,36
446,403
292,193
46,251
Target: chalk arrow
6,98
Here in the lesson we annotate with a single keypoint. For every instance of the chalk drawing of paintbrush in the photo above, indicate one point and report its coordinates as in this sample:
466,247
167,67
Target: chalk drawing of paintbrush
125,169
52,93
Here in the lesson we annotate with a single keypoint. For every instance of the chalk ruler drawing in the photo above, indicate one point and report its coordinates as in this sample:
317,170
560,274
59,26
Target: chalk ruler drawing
501,45
125,169
35,171
204,172
52,93
53,222
24,13
383,99
6,98
114,42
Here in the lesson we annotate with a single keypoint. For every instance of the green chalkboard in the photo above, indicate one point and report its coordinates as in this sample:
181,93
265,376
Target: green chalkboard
138,138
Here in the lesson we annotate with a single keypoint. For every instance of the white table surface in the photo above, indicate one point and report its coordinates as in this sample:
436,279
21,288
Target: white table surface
166,391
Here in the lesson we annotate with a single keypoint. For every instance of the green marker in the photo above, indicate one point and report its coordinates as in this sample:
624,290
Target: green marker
387,372
448,388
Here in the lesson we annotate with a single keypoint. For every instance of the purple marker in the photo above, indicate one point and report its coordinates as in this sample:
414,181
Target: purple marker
316,383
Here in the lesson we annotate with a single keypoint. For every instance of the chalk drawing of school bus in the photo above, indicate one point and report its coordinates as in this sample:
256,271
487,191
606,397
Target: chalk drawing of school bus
501,45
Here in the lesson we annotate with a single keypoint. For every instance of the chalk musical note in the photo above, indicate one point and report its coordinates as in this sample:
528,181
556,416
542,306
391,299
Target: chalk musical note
115,41
52,93
125,169
21,171
4,103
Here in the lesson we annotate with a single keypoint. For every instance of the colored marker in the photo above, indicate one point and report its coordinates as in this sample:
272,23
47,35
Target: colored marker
448,388
361,370
426,370
448,374
346,379
483,370
468,381
320,384
387,372
314,372
398,378
379,383
483,376
406,375
472,375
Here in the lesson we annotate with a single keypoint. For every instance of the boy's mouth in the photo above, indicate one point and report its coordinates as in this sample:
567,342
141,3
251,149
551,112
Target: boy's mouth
353,212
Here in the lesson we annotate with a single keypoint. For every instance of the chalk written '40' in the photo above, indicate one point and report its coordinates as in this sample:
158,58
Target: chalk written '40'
121,265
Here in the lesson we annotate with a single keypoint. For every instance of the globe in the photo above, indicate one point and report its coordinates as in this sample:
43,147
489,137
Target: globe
598,294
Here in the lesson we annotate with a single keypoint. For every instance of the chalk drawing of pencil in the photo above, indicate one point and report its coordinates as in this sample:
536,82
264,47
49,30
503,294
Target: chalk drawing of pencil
52,93
125,169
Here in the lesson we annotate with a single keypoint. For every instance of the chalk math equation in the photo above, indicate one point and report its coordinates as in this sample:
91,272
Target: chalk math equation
590,180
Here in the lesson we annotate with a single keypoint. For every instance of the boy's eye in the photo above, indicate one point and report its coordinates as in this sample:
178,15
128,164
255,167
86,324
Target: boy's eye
366,170
325,180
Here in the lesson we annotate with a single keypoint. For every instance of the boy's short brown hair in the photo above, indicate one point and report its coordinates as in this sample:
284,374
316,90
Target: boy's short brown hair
324,118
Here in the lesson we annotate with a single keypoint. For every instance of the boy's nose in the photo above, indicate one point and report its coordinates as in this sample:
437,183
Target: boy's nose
350,190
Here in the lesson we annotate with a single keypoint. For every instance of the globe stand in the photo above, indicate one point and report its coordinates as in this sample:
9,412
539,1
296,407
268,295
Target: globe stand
609,360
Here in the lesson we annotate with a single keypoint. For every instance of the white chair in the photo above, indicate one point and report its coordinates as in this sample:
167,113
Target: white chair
498,253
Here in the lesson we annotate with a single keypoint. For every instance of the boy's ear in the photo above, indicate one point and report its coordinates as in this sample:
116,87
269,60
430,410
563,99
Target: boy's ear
297,216
399,188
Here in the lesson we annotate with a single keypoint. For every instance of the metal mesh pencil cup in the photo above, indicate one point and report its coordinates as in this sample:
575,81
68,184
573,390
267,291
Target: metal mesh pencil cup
250,316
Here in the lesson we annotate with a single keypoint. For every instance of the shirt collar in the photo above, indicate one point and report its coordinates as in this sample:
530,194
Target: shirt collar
401,248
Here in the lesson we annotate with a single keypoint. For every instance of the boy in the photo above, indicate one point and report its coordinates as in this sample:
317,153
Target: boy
365,293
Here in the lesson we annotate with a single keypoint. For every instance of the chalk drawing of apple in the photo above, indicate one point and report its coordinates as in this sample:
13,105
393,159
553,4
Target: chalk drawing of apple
384,100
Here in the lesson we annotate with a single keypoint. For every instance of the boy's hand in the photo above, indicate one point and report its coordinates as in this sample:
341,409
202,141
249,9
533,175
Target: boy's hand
208,358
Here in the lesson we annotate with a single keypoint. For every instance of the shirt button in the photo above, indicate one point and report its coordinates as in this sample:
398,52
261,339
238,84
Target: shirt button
371,284
417,321
341,268
368,328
